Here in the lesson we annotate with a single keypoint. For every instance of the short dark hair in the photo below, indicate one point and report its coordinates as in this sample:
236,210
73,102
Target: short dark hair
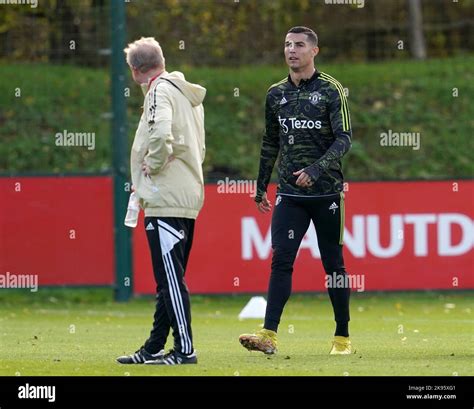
310,34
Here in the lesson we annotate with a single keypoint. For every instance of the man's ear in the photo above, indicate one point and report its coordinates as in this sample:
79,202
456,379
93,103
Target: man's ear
316,51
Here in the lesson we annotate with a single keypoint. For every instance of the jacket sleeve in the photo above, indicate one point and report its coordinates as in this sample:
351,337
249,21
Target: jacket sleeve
269,150
203,150
341,127
159,118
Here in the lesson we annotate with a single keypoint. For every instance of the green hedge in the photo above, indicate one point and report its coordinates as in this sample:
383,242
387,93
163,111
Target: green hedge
398,96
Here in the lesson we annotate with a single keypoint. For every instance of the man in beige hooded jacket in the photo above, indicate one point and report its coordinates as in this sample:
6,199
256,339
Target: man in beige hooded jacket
166,168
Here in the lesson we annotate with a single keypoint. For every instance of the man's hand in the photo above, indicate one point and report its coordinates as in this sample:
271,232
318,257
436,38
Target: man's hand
304,180
170,159
264,206
146,170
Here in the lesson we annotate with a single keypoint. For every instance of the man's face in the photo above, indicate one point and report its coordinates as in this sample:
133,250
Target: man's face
137,76
299,52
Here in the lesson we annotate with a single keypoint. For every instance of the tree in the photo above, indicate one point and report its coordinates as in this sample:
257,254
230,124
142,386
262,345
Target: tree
415,28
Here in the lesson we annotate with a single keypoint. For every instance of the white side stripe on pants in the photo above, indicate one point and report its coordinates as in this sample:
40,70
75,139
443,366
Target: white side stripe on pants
177,303
181,305
168,238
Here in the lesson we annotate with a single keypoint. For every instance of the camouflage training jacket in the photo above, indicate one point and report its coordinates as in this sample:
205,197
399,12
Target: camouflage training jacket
309,125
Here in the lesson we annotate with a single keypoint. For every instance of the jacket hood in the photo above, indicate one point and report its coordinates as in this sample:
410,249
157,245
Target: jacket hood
195,93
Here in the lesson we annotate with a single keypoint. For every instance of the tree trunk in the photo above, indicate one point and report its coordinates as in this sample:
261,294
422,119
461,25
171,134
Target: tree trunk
415,28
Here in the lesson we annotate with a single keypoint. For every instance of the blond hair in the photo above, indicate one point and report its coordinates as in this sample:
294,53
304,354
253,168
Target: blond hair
145,54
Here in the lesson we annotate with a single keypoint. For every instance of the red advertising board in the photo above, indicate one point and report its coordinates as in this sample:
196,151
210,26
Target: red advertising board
58,228
398,236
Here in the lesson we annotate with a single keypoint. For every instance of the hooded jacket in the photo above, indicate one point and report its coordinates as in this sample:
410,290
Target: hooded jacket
170,140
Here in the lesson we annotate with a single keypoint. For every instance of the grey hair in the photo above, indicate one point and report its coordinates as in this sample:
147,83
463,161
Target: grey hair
145,54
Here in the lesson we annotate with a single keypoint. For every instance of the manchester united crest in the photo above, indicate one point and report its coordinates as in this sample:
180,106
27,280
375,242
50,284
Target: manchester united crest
315,97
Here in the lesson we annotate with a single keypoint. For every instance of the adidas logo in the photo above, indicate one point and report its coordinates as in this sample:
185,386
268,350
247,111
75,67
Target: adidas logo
283,101
149,227
333,207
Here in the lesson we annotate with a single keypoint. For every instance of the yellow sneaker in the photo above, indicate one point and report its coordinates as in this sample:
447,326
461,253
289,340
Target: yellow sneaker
341,346
264,341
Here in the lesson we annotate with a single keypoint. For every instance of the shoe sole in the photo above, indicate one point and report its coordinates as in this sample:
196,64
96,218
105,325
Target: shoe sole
129,363
163,364
251,346
344,352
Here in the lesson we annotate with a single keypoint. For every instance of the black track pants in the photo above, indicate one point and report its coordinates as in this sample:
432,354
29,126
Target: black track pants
290,221
170,240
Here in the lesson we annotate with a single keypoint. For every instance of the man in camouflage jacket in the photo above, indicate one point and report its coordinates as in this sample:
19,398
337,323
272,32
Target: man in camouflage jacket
308,126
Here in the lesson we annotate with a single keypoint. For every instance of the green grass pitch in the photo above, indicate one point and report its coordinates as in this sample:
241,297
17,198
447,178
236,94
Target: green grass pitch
80,332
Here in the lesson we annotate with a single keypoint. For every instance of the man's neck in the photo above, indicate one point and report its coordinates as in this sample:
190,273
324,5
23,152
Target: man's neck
154,74
305,74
